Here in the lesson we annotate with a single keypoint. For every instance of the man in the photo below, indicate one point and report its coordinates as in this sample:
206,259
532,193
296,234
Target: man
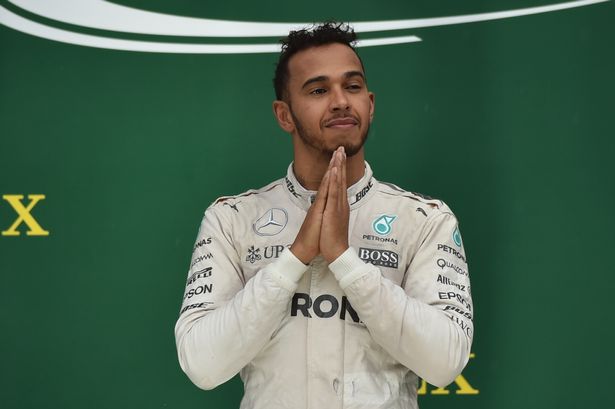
338,298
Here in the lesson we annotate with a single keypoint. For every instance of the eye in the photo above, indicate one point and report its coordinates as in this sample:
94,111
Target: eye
354,87
318,91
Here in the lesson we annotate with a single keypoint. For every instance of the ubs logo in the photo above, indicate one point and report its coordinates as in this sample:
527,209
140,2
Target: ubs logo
24,216
269,252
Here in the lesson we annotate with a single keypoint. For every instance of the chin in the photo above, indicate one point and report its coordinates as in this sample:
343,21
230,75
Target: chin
352,144
352,150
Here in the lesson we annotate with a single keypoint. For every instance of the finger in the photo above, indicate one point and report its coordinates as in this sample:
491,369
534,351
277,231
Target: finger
334,186
321,195
342,185
332,194
332,161
338,159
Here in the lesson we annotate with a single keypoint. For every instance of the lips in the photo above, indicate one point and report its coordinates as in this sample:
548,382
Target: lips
344,122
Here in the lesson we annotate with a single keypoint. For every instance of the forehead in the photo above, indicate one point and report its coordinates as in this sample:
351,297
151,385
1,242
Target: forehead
331,60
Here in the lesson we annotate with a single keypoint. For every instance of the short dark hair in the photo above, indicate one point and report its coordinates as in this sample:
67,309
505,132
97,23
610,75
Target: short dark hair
319,34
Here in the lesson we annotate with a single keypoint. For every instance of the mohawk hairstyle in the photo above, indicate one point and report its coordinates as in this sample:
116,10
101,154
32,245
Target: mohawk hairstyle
325,33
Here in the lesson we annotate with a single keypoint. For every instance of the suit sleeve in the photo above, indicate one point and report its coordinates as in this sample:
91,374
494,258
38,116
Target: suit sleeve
426,324
223,321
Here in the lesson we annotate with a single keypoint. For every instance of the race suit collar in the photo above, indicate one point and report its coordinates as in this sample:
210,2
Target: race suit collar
358,193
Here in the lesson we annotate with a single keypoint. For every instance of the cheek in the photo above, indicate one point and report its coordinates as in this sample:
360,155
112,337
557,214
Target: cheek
310,116
365,109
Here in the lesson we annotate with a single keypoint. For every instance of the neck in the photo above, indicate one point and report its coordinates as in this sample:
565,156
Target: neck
310,168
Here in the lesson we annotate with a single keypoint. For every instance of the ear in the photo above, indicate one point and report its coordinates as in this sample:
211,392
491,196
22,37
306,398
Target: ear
372,105
281,110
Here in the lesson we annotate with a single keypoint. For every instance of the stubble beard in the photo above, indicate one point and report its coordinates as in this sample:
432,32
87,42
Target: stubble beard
320,146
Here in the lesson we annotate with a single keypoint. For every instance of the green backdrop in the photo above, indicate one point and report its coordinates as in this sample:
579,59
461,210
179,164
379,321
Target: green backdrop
509,121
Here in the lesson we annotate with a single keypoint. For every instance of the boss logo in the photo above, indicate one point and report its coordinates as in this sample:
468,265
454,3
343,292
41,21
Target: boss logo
384,258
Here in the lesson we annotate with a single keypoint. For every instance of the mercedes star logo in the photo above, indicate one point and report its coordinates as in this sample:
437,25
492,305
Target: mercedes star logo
271,223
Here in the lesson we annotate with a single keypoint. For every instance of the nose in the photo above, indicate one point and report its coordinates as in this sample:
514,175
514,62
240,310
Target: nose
339,100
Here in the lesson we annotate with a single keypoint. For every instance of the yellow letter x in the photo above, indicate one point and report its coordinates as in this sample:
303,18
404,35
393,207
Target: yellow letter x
24,215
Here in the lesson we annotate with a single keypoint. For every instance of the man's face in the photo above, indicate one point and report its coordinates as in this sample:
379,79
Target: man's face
328,98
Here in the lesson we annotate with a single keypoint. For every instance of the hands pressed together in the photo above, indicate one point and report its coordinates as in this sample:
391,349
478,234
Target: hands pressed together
325,228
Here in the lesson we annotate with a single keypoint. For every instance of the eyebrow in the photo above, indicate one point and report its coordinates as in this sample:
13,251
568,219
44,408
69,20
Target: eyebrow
321,78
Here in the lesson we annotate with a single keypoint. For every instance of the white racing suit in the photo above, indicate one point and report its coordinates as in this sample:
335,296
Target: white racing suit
356,333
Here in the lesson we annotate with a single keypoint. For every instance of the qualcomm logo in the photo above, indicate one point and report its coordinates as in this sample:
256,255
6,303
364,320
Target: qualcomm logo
118,19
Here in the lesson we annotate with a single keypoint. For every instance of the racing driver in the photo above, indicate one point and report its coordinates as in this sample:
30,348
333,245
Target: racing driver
326,288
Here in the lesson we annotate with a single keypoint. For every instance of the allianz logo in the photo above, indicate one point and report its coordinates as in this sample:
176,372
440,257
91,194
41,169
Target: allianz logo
122,20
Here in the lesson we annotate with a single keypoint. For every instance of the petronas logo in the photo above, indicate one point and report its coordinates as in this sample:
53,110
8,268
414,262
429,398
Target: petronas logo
457,237
382,224
105,24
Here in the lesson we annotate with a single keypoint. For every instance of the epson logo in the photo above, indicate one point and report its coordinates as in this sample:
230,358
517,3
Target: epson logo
443,295
324,306
385,258
202,289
